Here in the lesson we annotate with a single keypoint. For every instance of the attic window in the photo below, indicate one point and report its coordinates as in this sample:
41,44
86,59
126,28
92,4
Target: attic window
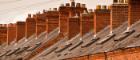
90,42
106,38
76,45
63,48
124,35
137,35
36,46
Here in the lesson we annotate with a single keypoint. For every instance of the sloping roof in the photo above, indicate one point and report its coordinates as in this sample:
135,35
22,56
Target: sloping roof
130,40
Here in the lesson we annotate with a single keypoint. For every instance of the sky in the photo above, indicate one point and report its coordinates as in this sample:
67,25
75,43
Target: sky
12,11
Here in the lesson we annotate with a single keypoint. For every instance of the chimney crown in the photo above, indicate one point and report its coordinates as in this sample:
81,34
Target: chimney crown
54,9
90,10
78,5
67,4
83,5
104,7
3,25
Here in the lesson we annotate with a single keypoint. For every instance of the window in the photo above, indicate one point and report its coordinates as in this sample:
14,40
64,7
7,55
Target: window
124,35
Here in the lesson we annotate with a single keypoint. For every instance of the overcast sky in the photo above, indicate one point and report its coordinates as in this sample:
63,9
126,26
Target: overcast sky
17,10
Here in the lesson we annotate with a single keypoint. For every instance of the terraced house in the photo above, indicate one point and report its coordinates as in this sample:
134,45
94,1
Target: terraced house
74,32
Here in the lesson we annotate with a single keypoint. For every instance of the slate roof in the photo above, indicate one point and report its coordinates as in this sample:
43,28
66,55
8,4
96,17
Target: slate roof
88,44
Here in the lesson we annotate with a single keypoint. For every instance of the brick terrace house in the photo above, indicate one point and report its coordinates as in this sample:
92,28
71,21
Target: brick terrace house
74,32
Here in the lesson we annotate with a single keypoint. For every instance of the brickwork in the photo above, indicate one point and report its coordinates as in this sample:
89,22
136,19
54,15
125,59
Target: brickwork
121,54
73,19
101,19
52,21
40,23
134,11
100,56
11,32
119,14
66,12
86,23
73,26
3,33
63,23
30,26
20,30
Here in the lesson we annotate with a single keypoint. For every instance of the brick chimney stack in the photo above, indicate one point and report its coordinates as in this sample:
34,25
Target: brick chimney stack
11,32
72,3
80,8
65,13
40,23
3,34
73,26
30,26
69,11
86,22
119,14
101,18
52,20
134,11
20,30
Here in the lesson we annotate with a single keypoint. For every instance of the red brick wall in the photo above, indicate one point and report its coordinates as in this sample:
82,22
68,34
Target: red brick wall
3,33
30,26
101,19
134,11
73,27
11,33
100,56
119,14
52,20
65,12
63,21
116,55
40,23
86,23
83,58
120,54
126,54
20,30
